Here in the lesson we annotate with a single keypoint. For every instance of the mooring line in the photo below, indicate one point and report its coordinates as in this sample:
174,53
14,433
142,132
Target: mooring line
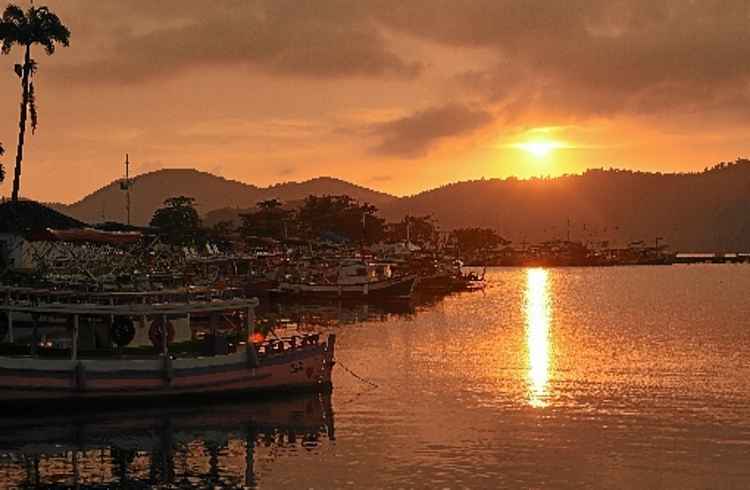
367,381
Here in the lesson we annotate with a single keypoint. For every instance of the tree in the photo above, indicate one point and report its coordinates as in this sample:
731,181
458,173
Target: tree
341,215
269,204
38,25
270,221
178,220
421,230
2,168
471,240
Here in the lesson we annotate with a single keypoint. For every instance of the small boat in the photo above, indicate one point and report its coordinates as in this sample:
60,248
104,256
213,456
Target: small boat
447,277
351,279
88,368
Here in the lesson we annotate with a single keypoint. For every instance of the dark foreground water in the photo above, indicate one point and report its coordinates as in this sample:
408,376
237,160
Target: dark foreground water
576,378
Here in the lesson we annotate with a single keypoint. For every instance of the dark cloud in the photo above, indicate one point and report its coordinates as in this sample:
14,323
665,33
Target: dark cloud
578,56
293,38
593,57
412,136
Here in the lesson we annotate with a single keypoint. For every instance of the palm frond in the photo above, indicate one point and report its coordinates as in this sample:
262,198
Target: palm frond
35,26
47,29
14,14
12,27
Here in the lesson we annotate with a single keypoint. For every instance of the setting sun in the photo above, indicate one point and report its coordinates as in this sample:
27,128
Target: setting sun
539,149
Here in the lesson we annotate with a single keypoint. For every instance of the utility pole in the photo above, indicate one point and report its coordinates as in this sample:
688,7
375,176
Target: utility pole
125,186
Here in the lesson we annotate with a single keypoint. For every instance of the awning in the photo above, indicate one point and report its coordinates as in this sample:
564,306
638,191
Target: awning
87,235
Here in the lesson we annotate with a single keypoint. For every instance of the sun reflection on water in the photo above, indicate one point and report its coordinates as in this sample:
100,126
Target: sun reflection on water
537,309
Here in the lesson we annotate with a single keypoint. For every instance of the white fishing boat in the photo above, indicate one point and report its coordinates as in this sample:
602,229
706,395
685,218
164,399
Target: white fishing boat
350,279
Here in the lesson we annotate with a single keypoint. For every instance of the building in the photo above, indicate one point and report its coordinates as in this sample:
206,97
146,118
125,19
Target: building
23,226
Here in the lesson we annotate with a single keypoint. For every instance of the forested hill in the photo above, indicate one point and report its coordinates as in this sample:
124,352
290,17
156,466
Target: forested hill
706,211
211,192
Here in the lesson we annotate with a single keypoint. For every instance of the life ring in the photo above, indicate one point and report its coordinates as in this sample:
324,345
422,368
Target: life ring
123,331
154,333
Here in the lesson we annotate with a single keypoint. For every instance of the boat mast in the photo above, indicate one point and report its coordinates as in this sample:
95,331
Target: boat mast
126,187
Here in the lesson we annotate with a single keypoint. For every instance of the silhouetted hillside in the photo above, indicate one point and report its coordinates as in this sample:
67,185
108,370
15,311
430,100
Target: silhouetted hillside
210,192
708,211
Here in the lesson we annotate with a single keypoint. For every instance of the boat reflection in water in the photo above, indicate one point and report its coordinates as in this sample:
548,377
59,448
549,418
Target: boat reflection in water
537,310
197,446
332,313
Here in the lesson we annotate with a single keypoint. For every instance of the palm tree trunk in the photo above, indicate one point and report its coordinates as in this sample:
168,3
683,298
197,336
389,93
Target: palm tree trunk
22,121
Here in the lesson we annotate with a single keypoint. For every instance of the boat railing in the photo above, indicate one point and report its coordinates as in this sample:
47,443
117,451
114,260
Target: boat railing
38,296
283,345
131,309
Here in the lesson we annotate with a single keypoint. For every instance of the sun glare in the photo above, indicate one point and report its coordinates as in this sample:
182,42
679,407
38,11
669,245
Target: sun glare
538,335
539,149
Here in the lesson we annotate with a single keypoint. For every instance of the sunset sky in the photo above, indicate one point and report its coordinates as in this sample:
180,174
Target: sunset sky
399,95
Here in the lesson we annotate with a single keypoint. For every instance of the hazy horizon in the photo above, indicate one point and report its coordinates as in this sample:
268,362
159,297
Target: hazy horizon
375,187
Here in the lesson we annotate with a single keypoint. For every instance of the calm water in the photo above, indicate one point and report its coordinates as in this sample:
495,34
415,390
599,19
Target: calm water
613,378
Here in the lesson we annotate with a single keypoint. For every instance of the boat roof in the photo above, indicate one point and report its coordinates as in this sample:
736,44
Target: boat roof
86,235
24,217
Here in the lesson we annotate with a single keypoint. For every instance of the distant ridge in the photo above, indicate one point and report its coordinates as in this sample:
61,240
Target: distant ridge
697,212
700,211
211,192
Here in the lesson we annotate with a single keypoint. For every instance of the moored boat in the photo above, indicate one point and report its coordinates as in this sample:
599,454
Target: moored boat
37,372
351,279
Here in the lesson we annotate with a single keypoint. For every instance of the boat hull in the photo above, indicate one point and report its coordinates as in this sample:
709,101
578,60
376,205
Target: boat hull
402,287
26,381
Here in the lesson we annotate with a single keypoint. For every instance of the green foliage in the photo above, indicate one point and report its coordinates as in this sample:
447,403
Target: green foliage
178,221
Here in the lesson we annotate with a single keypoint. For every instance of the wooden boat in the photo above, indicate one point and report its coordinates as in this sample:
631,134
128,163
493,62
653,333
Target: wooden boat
395,288
353,279
39,373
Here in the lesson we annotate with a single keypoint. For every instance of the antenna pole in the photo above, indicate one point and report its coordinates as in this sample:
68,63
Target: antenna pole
127,186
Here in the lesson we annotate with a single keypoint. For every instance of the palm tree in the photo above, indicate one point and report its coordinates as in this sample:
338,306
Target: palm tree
2,168
35,26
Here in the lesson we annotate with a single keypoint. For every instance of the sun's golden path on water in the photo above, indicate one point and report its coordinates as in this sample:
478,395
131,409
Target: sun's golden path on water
537,310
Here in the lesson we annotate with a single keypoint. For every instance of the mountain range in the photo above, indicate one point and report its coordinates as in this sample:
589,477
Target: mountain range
702,211
148,192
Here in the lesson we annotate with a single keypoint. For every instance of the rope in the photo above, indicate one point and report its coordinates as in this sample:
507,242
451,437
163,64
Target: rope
366,381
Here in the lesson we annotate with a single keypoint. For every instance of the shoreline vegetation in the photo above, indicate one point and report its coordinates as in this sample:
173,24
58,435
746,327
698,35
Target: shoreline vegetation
618,206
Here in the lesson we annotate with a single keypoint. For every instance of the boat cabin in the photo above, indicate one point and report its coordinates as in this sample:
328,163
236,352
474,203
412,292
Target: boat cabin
358,272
